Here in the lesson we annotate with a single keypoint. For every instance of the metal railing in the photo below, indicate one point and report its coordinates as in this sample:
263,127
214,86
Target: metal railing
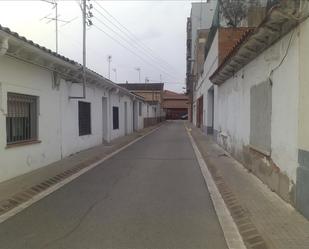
21,120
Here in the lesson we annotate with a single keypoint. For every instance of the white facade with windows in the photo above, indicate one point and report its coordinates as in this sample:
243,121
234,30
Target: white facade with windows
40,123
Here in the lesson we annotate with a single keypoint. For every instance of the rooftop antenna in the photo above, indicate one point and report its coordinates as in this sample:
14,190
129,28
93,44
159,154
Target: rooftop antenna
138,69
55,19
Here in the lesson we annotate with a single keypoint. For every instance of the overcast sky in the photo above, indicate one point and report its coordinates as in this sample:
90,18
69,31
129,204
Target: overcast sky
157,46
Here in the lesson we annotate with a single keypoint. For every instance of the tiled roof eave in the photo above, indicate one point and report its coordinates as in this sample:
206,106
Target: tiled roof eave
252,44
26,50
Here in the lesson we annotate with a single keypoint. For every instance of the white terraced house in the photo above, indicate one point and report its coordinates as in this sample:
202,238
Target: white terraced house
40,121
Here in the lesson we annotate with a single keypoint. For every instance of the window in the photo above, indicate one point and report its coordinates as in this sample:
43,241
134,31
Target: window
115,117
260,117
139,108
22,118
84,118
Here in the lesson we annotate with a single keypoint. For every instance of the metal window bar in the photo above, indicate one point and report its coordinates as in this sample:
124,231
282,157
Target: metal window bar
21,120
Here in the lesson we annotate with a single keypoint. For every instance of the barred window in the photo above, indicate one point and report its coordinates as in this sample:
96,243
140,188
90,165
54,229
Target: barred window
84,118
22,118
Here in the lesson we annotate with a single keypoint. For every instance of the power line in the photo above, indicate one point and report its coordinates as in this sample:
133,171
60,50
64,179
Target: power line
129,42
124,46
133,37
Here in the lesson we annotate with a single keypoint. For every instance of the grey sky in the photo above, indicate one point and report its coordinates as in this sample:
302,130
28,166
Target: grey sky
159,25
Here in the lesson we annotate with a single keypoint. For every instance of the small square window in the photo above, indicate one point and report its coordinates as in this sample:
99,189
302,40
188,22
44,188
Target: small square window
84,118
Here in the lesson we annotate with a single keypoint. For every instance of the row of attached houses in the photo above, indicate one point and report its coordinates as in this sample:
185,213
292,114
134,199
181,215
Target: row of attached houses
46,113
252,96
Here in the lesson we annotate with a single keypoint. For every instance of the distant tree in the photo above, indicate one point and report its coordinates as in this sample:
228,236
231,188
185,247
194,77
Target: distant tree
235,11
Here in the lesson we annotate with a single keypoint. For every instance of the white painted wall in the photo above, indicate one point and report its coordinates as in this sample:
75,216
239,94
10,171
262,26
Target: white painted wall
201,18
71,141
27,79
58,117
204,84
118,100
141,117
232,113
304,86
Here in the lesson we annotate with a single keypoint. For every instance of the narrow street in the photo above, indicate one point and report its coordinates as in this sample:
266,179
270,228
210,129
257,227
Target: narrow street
151,195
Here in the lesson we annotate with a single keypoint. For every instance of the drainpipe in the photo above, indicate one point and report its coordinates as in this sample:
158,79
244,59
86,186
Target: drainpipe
4,46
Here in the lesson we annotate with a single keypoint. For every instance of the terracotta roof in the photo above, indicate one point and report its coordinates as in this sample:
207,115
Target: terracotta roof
16,35
254,42
62,58
173,95
175,104
229,37
152,102
247,33
143,86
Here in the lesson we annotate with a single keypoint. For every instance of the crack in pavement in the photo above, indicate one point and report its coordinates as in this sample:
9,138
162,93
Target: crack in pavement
84,216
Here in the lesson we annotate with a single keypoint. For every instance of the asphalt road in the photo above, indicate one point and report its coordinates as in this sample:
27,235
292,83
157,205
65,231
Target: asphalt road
149,196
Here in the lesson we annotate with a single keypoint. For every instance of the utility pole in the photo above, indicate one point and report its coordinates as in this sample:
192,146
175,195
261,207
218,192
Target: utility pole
87,15
115,71
109,60
138,69
56,23
84,47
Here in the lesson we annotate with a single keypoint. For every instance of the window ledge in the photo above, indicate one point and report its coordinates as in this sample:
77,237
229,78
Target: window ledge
9,146
263,152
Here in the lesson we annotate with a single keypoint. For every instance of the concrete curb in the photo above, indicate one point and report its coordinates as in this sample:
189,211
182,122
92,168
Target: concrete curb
229,228
53,188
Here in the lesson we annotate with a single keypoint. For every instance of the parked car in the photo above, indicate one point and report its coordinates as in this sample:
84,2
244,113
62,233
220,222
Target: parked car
184,117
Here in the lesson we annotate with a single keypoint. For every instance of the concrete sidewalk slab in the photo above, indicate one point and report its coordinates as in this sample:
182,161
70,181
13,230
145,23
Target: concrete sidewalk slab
21,189
263,218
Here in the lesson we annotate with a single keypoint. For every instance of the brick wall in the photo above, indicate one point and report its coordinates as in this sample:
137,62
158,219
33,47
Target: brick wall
228,38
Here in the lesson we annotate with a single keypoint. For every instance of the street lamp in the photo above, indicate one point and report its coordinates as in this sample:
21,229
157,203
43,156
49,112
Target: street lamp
109,60
138,69
115,71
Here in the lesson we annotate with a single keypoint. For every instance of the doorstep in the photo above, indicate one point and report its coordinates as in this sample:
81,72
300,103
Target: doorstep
19,190
264,220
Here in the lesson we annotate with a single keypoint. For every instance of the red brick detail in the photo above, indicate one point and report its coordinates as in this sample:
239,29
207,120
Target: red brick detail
228,38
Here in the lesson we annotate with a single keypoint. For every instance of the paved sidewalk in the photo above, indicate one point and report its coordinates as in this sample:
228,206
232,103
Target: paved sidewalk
22,188
252,204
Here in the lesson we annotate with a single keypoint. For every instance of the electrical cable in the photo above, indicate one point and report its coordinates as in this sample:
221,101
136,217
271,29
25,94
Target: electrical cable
134,37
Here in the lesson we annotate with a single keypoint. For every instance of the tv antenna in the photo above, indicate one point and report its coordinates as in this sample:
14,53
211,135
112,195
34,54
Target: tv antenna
55,19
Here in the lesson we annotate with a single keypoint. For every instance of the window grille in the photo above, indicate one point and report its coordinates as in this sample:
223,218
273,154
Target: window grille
22,118
84,118
115,117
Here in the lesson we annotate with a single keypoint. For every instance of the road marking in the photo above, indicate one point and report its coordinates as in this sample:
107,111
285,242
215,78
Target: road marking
57,186
229,228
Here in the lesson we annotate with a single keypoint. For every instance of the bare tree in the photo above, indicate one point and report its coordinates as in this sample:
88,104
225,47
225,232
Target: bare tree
235,11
